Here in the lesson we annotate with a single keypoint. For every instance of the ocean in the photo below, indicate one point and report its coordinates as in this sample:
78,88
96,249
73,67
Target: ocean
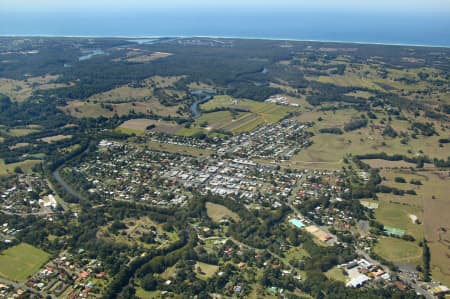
344,26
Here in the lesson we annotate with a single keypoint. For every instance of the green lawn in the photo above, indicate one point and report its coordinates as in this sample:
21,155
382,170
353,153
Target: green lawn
218,212
207,270
143,294
259,113
130,131
21,261
397,250
24,165
397,215
336,274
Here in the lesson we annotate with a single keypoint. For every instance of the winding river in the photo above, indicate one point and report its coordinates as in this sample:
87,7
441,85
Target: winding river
208,95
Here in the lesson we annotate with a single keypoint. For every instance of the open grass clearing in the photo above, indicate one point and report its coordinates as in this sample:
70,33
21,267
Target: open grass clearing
205,271
347,80
19,145
148,57
245,124
200,85
169,272
380,163
398,215
218,212
122,94
19,262
162,82
130,131
81,109
20,90
26,166
331,148
436,220
360,94
269,111
181,149
135,229
397,250
440,262
160,126
143,294
259,113
336,274
55,138
296,253
19,132
211,121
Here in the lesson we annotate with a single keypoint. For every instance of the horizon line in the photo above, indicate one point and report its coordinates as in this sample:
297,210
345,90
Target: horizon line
229,37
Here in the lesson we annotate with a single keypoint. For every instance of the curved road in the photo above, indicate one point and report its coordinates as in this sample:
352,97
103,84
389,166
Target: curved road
66,186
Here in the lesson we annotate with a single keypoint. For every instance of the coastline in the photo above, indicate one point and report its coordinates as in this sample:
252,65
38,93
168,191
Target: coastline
228,37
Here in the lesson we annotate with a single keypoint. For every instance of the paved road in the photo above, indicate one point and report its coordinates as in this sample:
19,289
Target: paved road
261,250
295,190
66,186
24,287
43,213
403,277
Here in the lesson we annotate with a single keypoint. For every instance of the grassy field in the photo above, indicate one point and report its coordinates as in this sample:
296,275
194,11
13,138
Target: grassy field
148,57
24,165
175,148
397,250
360,94
213,121
336,274
20,90
296,253
328,150
347,81
380,163
21,261
121,94
258,113
21,132
143,294
217,212
129,131
437,222
432,212
19,145
398,216
137,124
136,227
141,124
366,76
55,138
269,112
163,82
90,109
440,266
207,270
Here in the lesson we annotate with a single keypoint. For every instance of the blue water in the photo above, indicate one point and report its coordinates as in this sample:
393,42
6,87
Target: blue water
297,223
376,27
90,54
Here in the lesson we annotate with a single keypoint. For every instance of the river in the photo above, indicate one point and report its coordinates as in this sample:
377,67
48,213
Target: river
195,110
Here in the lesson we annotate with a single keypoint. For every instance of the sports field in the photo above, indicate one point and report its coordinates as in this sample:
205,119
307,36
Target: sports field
21,261
397,250
396,215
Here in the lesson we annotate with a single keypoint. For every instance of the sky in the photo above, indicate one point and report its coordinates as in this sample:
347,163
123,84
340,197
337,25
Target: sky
424,22
406,6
